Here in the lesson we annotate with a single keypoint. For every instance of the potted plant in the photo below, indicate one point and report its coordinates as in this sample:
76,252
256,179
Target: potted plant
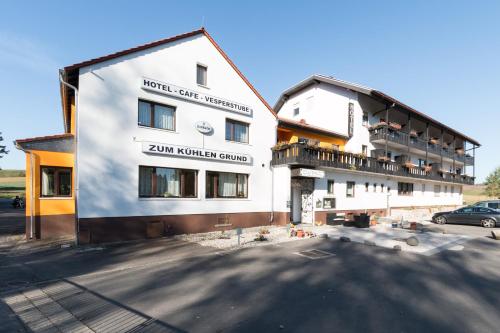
408,165
459,151
433,141
383,159
395,126
413,133
427,168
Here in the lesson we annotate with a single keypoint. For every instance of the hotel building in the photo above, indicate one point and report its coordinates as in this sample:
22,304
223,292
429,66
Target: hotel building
169,137
345,148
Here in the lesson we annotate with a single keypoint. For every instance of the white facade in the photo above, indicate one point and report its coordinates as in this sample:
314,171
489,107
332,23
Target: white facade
329,111
110,139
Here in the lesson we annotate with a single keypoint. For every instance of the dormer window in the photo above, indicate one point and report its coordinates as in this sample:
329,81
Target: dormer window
201,74
296,110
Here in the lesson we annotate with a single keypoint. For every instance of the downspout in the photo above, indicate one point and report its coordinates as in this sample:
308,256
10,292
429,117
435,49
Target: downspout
32,189
75,169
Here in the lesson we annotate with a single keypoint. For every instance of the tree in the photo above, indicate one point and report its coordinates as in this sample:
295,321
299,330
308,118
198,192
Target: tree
493,184
3,148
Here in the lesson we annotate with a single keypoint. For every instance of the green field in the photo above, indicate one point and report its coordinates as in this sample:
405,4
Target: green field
12,183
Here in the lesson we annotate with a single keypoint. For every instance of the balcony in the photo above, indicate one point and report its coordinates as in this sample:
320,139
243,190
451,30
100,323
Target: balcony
304,155
378,135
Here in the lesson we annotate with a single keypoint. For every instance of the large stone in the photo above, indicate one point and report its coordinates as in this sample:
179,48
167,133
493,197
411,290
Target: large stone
397,247
345,239
495,234
412,241
369,243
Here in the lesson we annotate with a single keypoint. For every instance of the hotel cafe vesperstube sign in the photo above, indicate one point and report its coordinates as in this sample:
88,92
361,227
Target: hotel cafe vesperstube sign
194,96
194,152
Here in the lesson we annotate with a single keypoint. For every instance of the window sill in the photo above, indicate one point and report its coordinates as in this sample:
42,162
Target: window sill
240,143
56,198
203,86
158,129
227,199
169,199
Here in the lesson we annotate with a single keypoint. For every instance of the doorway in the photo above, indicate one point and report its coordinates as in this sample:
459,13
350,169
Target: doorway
302,200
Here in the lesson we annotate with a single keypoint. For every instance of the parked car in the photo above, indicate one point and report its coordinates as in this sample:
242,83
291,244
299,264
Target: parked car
485,217
493,204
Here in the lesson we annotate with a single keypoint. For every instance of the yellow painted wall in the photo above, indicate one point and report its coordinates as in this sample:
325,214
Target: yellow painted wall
292,136
73,114
47,206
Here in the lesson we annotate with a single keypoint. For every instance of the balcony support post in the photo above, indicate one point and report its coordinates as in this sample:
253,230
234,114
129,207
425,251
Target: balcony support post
386,129
408,132
453,151
441,147
427,144
474,161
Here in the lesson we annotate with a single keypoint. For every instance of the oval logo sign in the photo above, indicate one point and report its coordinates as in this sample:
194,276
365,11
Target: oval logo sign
203,127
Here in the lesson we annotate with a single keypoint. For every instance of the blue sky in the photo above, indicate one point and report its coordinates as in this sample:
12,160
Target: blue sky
441,57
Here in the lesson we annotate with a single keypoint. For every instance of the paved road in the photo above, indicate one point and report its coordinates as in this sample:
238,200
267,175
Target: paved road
187,288
469,230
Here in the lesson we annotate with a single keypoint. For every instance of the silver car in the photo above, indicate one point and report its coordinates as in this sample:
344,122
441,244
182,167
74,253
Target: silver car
493,204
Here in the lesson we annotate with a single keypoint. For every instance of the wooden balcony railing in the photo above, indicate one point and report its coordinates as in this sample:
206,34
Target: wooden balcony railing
301,154
379,134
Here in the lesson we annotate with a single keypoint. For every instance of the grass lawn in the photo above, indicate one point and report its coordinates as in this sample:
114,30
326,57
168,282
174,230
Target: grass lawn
12,186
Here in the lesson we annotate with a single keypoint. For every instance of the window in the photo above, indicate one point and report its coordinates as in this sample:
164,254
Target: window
423,188
374,187
329,186
382,188
466,210
167,182
156,115
405,188
388,189
494,205
236,131
446,190
350,189
201,74
56,182
226,185
365,118
437,190
483,210
452,190
367,186
296,110
364,150
422,163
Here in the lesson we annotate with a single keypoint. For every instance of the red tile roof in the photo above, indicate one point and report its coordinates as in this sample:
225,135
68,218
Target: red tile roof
306,126
45,138
75,67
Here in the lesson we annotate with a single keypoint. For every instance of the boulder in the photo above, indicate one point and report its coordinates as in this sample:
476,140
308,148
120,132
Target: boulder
323,236
397,247
369,243
412,241
345,239
495,234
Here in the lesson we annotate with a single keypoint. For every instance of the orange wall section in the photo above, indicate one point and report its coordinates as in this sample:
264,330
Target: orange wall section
292,136
48,206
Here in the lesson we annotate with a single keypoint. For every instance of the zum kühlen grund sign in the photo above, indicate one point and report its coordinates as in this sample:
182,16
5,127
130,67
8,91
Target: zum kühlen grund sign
193,152
194,96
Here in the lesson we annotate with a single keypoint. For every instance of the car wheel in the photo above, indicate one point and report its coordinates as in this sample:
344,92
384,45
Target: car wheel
488,223
441,220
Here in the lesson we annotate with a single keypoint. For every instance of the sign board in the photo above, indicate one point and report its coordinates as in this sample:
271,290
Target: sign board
310,173
194,96
203,127
194,152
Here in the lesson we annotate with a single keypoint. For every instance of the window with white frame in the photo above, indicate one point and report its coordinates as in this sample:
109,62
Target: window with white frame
350,189
437,190
330,186
365,118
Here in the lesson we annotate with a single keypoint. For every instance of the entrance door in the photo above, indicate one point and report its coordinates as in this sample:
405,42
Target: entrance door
307,207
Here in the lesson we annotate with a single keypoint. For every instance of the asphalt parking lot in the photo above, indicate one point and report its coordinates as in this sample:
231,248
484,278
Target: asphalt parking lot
468,230
188,288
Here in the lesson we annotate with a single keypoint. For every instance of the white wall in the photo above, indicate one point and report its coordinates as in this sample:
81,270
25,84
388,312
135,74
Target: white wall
110,139
378,199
